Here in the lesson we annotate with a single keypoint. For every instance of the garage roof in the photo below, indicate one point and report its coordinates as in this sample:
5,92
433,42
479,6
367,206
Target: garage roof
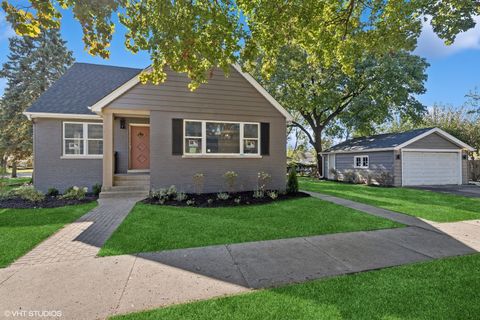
391,141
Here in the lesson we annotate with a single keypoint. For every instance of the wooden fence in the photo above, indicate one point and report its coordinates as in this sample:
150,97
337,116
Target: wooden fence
474,170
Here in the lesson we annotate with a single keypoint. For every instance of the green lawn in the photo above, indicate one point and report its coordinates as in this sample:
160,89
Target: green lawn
153,228
442,289
22,229
12,183
434,206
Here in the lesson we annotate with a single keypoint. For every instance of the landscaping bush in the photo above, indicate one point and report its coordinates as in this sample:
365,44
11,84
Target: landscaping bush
163,194
181,196
349,176
292,181
29,193
53,192
258,194
223,196
263,180
272,194
334,172
384,178
230,180
198,182
96,189
75,193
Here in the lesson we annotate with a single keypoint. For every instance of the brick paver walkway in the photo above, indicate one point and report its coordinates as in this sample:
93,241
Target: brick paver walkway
82,238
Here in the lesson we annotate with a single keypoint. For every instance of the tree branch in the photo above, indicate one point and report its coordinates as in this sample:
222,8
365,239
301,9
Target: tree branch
309,136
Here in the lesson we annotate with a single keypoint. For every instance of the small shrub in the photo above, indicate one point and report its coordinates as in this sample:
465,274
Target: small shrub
230,180
384,178
163,194
172,191
258,194
358,178
6,194
369,178
76,193
198,182
349,176
292,181
273,195
334,172
237,200
53,192
29,193
210,201
69,189
223,196
263,180
190,202
96,189
181,196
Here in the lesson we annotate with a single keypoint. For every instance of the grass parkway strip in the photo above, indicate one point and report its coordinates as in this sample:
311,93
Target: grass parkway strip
434,206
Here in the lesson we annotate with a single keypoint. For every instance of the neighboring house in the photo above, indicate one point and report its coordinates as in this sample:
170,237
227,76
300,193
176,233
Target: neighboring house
98,124
428,156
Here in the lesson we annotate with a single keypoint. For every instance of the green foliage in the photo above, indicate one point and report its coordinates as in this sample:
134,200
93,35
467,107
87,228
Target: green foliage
96,189
75,193
53,192
223,196
292,181
33,64
29,193
196,36
230,180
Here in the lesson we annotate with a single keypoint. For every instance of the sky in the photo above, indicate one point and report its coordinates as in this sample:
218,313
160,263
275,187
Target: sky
454,70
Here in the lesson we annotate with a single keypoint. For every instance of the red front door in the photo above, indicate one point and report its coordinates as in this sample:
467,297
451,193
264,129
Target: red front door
139,148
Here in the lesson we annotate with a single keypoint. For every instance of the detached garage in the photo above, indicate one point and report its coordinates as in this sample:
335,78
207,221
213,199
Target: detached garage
428,156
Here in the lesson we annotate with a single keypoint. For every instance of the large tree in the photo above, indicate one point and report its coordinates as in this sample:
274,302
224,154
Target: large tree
195,36
329,100
34,63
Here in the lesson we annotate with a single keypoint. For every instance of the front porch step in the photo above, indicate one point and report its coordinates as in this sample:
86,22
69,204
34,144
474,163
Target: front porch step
131,177
141,187
123,194
139,183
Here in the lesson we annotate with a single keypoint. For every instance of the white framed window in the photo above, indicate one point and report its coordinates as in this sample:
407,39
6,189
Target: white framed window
361,162
82,140
224,138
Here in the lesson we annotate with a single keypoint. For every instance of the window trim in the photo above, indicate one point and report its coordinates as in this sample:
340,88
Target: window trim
203,138
361,161
85,140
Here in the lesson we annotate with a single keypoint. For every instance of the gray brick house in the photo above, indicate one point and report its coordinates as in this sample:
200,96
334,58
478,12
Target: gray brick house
99,124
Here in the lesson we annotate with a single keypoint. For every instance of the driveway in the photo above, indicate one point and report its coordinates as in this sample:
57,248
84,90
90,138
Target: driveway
470,190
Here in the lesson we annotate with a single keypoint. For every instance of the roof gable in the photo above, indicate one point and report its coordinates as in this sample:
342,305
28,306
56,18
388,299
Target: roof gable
107,100
394,141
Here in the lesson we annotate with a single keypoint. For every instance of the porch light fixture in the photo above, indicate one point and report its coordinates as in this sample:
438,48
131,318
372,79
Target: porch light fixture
398,157
122,123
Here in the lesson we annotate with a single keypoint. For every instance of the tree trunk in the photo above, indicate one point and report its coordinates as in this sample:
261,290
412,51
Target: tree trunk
3,166
14,168
318,148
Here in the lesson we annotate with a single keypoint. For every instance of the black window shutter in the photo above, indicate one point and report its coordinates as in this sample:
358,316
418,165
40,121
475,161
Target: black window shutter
265,139
177,136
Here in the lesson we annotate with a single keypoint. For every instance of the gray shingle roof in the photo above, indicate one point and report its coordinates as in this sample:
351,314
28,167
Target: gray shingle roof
387,140
80,87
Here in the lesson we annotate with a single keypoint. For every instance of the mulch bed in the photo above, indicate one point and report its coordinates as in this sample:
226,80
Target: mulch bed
48,202
201,200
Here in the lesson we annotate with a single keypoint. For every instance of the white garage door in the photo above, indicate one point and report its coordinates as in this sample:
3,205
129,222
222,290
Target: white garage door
431,168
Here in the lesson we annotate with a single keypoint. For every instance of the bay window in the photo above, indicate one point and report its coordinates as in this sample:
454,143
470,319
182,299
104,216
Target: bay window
82,139
221,138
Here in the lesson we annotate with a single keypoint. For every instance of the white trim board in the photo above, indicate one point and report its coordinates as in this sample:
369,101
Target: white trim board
99,105
33,115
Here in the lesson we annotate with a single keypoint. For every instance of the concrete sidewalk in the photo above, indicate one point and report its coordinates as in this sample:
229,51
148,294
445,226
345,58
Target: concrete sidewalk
95,288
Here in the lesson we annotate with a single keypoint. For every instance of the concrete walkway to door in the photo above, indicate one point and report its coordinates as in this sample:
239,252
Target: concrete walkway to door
93,288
